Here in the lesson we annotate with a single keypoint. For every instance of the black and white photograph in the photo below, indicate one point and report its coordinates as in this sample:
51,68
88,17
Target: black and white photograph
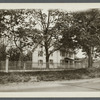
50,47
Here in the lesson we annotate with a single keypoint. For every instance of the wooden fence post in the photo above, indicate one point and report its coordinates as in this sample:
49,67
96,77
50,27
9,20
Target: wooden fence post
24,65
7,63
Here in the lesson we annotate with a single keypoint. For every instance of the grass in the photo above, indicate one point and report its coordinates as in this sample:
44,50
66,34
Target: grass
49,76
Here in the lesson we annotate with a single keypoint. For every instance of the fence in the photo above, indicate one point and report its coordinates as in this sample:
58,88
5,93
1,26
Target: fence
31,66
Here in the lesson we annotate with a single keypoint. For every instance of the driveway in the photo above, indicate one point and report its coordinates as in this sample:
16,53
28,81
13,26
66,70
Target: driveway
92,85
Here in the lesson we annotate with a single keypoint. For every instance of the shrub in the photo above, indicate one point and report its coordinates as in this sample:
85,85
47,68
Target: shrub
14,78
49,75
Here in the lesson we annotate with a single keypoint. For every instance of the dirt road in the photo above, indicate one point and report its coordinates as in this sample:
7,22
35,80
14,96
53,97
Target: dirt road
92,85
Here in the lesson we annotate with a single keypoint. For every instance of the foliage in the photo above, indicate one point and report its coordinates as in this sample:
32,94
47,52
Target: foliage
13,78
14,54
20,31
26,29
50,30
86,28
2,52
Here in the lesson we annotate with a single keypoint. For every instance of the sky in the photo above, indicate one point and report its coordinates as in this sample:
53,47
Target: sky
45,6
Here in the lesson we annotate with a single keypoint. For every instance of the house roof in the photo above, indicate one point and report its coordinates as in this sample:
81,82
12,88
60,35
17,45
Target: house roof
68,59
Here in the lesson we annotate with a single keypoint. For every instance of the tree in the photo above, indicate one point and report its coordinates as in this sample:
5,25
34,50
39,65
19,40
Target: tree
3,37
86,28
21,31
69,44
50,30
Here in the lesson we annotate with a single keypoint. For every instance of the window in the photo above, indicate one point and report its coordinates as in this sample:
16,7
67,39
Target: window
62,53
62,62
40,53
70,55
40,62
51,61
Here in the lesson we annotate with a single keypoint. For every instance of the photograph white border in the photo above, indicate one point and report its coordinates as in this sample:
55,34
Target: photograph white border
65,6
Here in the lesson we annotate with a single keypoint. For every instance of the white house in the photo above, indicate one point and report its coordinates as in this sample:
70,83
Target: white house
55,60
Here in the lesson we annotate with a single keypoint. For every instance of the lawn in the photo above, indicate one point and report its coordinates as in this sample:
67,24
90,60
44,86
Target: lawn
49,75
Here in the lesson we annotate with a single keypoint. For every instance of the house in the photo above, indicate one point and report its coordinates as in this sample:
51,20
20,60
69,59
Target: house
57,59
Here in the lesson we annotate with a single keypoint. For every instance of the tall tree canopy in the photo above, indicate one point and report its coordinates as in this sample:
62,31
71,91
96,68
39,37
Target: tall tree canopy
52,29
86,28
20,31
49,24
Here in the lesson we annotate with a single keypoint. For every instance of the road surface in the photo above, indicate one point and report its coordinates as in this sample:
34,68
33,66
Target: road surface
92,85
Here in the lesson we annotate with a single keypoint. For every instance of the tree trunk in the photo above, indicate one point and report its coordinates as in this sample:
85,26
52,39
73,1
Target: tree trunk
47,55
90,59
20,62
47,61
